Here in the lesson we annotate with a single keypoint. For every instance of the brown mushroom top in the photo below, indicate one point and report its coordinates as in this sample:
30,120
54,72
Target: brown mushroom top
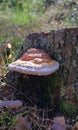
36,55
35,62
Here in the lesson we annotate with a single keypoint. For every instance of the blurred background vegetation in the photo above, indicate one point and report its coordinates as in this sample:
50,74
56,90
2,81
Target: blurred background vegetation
21,17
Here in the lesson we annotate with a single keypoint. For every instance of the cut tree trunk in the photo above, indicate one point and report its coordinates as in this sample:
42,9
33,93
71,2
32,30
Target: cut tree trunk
44,91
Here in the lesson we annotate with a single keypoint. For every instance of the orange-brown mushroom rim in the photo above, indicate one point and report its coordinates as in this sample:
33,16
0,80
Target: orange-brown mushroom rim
35,62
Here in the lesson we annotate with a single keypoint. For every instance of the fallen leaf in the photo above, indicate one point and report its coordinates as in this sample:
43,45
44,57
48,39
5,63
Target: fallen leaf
59,123
22,123
75,127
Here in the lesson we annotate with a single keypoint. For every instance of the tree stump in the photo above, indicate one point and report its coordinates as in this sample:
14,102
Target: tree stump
44,91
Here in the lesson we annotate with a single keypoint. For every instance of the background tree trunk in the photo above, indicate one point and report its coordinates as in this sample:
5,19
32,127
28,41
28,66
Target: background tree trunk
62,45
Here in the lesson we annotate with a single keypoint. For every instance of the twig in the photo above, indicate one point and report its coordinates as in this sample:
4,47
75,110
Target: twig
20,93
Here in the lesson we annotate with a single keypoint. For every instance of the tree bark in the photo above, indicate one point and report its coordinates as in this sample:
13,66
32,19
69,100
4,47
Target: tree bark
62,45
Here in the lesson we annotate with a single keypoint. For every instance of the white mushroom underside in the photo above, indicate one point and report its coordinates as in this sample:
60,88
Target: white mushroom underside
28,67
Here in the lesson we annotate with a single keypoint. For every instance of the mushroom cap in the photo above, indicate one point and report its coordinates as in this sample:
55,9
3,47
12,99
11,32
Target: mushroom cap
35,62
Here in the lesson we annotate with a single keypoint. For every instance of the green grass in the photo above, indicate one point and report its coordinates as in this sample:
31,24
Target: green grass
29,11
7,119
15,23
69,109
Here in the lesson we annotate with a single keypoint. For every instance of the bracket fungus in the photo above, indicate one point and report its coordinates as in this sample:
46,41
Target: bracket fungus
35,62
